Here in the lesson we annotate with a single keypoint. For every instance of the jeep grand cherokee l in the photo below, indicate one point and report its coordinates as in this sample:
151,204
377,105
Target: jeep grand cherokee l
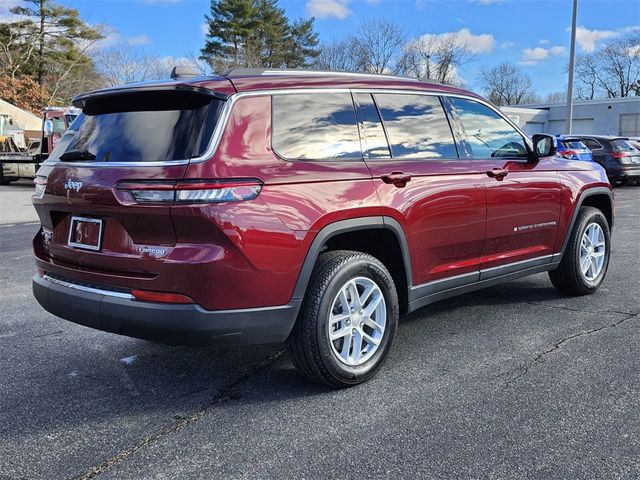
311,208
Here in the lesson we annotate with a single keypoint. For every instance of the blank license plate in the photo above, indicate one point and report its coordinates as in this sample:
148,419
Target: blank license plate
85,233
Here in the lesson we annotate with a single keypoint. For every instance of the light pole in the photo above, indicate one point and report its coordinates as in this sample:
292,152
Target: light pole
572,57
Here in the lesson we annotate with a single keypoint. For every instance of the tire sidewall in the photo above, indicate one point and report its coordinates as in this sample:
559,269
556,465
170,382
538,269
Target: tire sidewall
594,217
359,267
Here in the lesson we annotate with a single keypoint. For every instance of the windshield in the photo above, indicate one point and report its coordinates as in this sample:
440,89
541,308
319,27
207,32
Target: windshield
141,127
574,144
622,145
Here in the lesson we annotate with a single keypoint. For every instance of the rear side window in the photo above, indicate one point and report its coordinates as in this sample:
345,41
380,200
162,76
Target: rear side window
375,139
416,125
592,144
315,126
141,127
487,133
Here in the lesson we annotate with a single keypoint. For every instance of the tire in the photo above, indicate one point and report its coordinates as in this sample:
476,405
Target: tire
327,361
569,277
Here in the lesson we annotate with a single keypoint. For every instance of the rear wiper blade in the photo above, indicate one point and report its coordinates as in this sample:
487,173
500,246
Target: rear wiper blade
72,155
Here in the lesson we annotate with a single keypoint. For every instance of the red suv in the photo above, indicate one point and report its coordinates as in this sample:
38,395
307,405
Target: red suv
306,207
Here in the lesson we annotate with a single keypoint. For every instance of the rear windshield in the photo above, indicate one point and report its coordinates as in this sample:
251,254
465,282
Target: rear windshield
574,144
141,127
622,145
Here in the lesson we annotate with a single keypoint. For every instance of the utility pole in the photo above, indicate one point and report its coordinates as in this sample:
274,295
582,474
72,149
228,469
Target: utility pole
572,58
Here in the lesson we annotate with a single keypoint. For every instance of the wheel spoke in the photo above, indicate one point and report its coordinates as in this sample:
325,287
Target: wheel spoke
372,306
366,294
339,317
370,322
369,339
357,347
346,346
344,302
341,332
584,264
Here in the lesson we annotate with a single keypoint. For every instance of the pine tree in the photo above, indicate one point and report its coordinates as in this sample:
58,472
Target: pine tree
256,33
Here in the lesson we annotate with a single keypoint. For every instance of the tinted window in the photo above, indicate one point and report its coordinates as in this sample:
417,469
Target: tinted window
142,127
487,133
416,126
315,126
592,144
376,141
621,145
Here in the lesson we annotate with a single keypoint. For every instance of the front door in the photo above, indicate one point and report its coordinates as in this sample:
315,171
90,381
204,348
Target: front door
437,197
523,195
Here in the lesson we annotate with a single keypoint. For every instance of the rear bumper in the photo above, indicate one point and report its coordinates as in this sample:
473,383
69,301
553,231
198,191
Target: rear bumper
167,323
623,173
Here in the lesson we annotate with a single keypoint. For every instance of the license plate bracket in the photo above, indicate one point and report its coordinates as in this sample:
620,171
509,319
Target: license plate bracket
85,233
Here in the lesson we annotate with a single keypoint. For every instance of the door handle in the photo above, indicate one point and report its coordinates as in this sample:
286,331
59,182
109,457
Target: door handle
497,173
398,179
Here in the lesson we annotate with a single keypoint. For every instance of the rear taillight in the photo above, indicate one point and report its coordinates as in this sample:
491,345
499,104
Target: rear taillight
41,185
160,297
568,153
197,191
622,156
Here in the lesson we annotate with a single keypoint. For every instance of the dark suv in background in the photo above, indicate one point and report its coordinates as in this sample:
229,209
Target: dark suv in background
620,159
306,207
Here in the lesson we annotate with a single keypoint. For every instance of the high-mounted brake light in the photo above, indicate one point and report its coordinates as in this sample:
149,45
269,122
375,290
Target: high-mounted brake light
197,191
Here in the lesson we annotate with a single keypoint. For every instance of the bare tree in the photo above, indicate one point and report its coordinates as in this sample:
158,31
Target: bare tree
378,45
556,97
338,55
435,57
612,71
507,84
125,64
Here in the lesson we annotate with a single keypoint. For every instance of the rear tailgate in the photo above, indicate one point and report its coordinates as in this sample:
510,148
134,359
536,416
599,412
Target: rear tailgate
89,223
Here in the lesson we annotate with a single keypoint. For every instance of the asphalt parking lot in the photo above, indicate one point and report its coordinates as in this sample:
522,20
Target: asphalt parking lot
516,381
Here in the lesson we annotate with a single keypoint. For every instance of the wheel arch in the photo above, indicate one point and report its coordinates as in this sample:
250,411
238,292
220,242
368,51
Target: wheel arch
598,197
351,234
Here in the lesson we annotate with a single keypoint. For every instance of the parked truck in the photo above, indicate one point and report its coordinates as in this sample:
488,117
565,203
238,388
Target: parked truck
16,164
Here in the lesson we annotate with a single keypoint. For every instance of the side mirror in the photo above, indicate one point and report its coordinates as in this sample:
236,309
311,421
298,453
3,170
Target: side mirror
544,145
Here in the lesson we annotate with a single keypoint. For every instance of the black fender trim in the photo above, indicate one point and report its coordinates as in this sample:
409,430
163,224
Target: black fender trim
586,194
345,226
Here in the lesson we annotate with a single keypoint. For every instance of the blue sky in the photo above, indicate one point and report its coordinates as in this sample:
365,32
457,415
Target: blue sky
532,33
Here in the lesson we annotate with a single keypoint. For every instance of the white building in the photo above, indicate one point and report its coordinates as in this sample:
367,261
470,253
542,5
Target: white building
610,116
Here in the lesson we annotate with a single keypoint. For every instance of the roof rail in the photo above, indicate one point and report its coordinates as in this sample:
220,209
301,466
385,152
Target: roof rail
236,72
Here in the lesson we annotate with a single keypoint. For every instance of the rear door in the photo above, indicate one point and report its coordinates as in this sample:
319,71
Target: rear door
97,211
523,196
437,197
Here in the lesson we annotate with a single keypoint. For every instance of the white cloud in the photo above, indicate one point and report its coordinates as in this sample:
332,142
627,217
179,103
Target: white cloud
483,43
487,2
587,39
557,50
204,28
507,44
328,8
464,38
373,2
139,40
532,56
543,41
